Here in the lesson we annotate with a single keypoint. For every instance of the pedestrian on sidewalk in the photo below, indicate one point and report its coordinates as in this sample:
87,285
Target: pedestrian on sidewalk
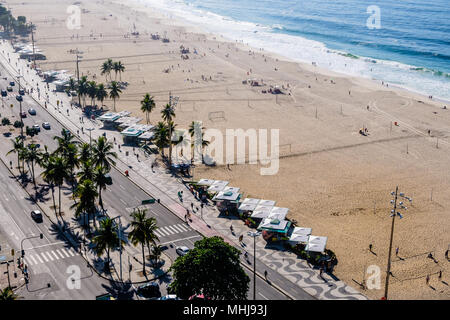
241,237
265,274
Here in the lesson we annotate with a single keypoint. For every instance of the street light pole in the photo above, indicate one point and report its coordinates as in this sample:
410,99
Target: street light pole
254,235
394,213
119,233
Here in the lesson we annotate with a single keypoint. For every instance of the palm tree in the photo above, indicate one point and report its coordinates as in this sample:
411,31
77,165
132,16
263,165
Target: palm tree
17,148
72,85
102,153
116,68
64,141
72,160
49,176
8,294
91,91
106,69
83,89
60,173
86,172
100,181
32,156
168,114
150,228
106,239
84,152
138,234
121,69
147,106
155,254
102,94
87,194
114,92
161,136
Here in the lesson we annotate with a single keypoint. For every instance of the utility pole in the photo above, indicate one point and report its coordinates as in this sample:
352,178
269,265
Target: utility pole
394,213
78,77
20,115
32,40
254,235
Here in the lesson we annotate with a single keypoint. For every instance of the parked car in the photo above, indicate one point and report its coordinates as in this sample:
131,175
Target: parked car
4,93
19,98
46,126
108,179
37,128
32,111
12,83
10,89
182,250
22,92
23,114
36,215
149,290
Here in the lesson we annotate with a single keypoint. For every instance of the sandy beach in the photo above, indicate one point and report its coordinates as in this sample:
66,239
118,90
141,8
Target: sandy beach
333,179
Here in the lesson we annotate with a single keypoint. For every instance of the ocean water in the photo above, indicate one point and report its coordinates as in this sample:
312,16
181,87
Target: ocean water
411,47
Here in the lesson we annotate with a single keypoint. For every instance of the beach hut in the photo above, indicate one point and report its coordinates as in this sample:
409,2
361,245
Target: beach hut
205,182
261,212
227,200
278,227
278,213
300,234
217,186
269,203
248,205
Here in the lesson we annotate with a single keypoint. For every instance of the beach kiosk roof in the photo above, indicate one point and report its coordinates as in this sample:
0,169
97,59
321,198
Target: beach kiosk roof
109,116
205,182
218,185
316,244
275,225
261,212
302,231
230,195
247,207
131,132
147,136
251,201
300,234
278,213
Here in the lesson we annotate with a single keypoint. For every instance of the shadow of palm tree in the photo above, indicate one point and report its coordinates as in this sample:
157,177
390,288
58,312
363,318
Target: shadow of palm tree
120,291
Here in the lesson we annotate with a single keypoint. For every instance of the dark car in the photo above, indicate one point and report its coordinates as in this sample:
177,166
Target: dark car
149,290
36,215
12,84
4,93
10,89
108,179
32,111
19,98
22,92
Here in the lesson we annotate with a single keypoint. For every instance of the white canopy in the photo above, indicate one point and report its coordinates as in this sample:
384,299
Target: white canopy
227,195
278,213
205,182
299,238
232,189
316,244
251,201
247,207
218,185
270,203
261,212
302,231
273,224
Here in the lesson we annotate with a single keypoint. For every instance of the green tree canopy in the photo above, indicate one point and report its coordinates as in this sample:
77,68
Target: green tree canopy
212,268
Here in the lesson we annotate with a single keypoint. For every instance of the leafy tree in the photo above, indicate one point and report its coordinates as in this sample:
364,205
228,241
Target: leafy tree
6,122
114,92
102,153
49,174
60,172
64,141
32,156
147,106
17,148
86,171
87,194
161,136
213,269
18,124
92,91
100,181
106,239
85,152
8,294
102,94
83,89
168,114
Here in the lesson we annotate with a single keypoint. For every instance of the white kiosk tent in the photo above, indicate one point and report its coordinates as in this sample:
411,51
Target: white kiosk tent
278,213
261,212
218,185
316,244
205,182
300,234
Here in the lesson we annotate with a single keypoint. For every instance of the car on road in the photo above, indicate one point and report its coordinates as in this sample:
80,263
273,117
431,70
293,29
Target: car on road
19,98
10,89
169,297
149,290
22,92
32,111
4,93
23,114
46,125
36,215
182,250
37,128
12,83
108,179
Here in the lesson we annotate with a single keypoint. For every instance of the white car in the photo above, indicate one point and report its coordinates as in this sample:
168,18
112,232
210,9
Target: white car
169,297
182,250
46,125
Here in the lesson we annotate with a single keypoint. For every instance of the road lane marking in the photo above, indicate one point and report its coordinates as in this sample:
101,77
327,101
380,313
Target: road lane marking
184,239
43,256
163,232
262,295
65,252
39,258
172,228
53,252
178,228
57,250
34,260
123,201
49,255
166,230
46,245
158,233
70,252
183,227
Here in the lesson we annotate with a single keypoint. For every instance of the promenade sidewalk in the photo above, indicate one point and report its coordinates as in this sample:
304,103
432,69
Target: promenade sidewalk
164,186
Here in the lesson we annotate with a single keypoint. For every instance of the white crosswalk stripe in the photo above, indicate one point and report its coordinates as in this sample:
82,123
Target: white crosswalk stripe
70,252
39,258
65,252
171,228
158,233
34,260
59,252
49,255
163,232
43,256
178,228
53,252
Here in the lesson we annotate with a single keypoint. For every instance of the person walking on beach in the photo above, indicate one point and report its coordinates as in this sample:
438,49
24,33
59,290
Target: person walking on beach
396,251
427,279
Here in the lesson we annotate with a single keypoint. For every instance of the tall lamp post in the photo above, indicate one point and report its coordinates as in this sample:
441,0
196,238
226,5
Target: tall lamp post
119,234
394,213
20,106
254,235
90,139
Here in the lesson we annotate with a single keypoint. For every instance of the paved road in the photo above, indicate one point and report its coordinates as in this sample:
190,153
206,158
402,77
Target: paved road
119,199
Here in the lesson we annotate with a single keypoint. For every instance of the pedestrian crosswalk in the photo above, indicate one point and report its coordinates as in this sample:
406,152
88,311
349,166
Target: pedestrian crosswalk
173,229
48,256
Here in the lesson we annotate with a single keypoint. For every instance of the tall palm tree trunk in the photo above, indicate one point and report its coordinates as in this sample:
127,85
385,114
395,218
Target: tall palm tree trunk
59,208
143,259
100,200
53,196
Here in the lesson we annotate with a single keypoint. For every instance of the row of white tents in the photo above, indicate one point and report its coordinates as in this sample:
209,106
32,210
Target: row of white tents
273,218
